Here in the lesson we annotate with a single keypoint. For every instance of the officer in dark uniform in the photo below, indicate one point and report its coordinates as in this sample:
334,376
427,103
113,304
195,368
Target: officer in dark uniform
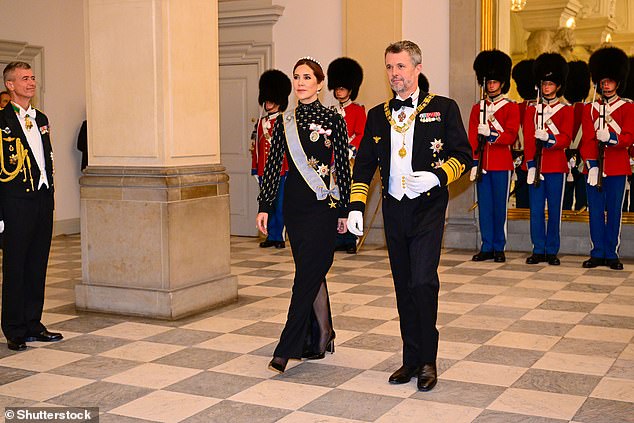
608,133
420,145
26,200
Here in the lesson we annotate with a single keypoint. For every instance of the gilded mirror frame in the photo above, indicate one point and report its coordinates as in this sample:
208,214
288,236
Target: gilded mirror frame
488,33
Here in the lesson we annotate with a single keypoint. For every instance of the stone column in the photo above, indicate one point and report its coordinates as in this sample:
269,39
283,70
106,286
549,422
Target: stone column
154,198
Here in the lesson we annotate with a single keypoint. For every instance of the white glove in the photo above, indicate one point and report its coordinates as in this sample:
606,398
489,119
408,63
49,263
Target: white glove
421,181
541,134
1,226
257,180
472,175
355,222
603,134
483,129
593,176
530,177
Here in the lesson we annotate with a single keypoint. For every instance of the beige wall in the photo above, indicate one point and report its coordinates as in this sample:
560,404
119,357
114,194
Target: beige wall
58,26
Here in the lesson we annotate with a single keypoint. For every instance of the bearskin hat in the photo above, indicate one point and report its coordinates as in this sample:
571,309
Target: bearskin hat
628,90
347,73
274,86
524,79
609,62
551,67
493,65
423,83
578,82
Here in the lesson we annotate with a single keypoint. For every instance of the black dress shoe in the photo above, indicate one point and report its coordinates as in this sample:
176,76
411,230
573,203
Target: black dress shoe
499,257
267,244
404,374
278,364
535,259
280,244
593,262
351,249
16,344
45,336
614,264
553,260
482,256
427,377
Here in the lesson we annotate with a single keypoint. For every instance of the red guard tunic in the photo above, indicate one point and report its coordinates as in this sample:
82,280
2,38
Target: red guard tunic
559,126
503,116
620,114
261,145
354,115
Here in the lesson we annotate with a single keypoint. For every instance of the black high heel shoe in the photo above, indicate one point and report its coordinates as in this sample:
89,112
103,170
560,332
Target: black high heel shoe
278,364
330,347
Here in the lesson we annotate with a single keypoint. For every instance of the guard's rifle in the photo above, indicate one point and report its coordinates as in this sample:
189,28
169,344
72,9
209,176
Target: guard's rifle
482,140
538,143
601,156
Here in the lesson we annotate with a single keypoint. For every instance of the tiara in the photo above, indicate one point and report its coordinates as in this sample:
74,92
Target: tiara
311,58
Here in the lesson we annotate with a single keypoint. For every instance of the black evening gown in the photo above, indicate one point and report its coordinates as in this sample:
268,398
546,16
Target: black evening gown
311,224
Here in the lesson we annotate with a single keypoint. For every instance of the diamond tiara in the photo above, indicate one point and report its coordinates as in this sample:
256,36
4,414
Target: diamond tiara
312,59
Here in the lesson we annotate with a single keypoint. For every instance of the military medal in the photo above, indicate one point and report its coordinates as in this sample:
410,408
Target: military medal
327,143
27,122
401,116
402,152
314,136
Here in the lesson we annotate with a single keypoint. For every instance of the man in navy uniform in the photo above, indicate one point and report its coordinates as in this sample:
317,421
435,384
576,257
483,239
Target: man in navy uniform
26,200
419,144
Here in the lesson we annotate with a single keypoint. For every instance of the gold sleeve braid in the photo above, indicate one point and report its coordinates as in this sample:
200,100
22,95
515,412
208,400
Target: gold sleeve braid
359,192
453,168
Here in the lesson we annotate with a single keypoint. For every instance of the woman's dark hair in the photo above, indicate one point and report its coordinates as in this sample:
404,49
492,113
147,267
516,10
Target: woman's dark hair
313,65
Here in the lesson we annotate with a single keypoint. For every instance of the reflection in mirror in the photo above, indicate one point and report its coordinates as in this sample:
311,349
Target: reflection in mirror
574,29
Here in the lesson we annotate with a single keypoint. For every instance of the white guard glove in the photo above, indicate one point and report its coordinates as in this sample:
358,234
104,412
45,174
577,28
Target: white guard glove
483,129
355,222
593,176
1,226
603,134
530,178
472,175
421,181
541,134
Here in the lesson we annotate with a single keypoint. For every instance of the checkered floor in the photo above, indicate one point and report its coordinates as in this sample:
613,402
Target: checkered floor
518,344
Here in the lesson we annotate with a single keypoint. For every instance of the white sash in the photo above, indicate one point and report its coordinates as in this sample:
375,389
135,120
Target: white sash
491,109
609,108
298,155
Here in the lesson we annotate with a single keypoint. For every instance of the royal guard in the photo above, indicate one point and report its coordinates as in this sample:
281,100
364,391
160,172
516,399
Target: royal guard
275,87
547,133
493,126
608,133
345,76
576,92
522,74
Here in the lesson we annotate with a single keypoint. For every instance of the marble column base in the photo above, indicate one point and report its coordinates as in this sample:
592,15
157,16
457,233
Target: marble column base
155,241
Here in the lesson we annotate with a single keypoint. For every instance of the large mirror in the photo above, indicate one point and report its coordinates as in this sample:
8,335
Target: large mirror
573,28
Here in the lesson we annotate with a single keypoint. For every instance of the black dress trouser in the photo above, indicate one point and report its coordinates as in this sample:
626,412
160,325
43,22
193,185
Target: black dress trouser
413,232
27,242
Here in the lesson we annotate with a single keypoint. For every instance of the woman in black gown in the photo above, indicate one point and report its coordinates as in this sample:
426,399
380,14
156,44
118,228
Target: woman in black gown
316,196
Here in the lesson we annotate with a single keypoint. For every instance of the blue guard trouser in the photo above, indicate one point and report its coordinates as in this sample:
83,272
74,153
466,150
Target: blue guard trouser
546,238
493,194
605,231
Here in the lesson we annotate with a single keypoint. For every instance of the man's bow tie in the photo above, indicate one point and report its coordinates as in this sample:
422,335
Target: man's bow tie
396,104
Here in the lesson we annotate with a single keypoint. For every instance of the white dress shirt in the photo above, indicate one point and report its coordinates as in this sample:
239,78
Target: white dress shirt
34,140
402,166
